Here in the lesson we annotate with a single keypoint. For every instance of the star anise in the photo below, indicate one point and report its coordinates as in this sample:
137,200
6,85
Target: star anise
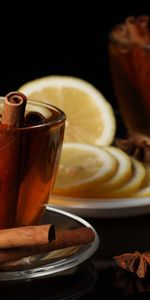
136,145
136,262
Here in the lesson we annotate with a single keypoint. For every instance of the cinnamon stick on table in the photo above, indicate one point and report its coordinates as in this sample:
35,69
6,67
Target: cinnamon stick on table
12,117
64,239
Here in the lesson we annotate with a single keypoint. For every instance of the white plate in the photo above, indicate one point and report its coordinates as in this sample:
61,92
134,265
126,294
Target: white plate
54,262
102,207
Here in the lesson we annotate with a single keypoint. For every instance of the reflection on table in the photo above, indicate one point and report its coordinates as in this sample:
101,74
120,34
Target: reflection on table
71,285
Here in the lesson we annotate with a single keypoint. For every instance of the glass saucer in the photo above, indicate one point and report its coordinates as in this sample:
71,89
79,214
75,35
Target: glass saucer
54,263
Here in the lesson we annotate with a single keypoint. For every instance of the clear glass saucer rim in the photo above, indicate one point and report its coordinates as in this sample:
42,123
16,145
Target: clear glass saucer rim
60,266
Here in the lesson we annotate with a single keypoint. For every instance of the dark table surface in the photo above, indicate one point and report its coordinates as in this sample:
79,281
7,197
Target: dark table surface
98,277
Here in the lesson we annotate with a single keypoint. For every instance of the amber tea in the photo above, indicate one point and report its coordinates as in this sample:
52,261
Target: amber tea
129,50
29,158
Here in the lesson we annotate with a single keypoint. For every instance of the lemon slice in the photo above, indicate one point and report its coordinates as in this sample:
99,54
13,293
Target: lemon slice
90,117
82,166
134,183
145,189
124,170
121,176
147,177
144,192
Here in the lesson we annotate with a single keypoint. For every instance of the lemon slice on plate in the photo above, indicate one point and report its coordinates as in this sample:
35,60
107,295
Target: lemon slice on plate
90,117
147,177
145,189
124,170
134,183
144,192
82,166
121,176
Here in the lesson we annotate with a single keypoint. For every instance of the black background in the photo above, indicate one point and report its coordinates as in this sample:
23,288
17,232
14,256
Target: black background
62,38
70,39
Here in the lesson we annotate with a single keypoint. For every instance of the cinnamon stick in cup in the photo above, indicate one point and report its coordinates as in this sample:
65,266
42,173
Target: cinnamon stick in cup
12,117
14,109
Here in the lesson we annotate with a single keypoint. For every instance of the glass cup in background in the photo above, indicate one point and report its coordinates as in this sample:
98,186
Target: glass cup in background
29,159
129,51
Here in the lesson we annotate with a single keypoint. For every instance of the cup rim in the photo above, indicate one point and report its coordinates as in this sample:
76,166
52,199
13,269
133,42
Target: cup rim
58,121
120,42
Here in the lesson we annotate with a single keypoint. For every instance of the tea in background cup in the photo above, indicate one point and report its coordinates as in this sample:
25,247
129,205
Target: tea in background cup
129,51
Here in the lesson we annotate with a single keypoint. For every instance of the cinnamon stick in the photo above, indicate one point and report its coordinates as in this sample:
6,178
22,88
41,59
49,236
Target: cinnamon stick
14,106
34,118
26,236
64,239
14,109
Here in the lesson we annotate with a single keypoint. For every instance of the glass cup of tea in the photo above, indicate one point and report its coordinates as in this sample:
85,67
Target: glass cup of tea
29,159
129,52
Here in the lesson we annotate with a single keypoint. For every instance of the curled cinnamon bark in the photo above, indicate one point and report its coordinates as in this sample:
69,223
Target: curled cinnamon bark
13,115
64,239
14,109
34,118
26,236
